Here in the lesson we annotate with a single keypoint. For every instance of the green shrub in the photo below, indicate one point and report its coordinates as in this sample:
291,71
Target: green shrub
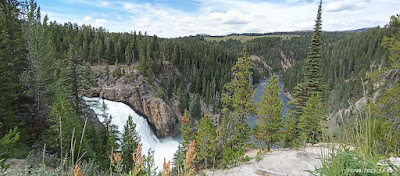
117,72
259,156
35,159
245,159
231,157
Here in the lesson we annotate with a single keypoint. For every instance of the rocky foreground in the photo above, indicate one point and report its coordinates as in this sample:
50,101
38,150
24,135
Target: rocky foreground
277,162
281,162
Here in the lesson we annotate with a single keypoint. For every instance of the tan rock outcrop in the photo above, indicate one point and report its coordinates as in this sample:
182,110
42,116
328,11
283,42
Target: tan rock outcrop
139,95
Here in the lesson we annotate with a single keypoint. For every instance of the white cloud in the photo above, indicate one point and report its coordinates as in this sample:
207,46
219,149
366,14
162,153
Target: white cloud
99,22
94,3
114,26
292,1
220,17
103,3
87,19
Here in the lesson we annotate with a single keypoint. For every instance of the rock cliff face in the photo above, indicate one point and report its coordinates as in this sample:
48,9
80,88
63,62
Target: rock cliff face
134,90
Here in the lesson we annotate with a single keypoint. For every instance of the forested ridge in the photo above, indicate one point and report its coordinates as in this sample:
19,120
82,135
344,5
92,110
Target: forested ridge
280,46
345,65
46,68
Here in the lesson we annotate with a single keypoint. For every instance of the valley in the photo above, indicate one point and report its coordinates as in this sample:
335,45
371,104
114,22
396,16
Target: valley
80,99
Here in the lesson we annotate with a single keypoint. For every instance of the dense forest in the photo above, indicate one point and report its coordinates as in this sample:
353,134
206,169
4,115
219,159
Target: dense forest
46,68
346,63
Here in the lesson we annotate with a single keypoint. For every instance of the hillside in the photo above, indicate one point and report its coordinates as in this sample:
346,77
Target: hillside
345,67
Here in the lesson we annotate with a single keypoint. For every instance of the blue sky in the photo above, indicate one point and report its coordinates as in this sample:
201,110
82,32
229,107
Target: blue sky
174,18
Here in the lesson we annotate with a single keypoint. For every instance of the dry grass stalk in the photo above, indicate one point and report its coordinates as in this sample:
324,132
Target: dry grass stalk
116,161
138,160
166,170
190,156
78,171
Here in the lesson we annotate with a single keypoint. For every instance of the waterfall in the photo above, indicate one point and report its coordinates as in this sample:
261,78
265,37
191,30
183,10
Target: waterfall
119,111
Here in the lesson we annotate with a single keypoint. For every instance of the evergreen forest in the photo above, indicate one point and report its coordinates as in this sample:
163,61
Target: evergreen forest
343,88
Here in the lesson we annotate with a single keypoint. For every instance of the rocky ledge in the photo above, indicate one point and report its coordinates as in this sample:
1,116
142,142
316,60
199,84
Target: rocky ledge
135,91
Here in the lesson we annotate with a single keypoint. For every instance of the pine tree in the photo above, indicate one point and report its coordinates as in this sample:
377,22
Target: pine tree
392,43
238,100
155,55
50,66
73,59
195,109
310,120
143,61
186,138
388,103
34,43
12,51
387,106
170,88
6,143
183,97
205,141
112,145
109,50
311,71
128,54
239,92
95,139
269,121
99,50
118,52
185,129
100,149
290,130
148,166
136,54
300,95
312,76
66,127
129,143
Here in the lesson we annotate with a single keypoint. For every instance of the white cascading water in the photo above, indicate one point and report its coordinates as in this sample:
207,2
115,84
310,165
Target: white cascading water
163,148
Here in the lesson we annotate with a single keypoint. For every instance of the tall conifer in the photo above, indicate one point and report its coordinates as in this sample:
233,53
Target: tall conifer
130,141
269,120
312,75
310,120
205,141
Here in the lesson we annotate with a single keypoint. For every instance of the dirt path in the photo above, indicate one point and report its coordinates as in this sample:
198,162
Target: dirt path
278,162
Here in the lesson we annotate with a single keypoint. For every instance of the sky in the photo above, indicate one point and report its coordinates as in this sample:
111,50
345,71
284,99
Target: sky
177,18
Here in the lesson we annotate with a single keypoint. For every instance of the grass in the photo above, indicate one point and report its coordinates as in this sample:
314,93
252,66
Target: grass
245,38
70,164
364,146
